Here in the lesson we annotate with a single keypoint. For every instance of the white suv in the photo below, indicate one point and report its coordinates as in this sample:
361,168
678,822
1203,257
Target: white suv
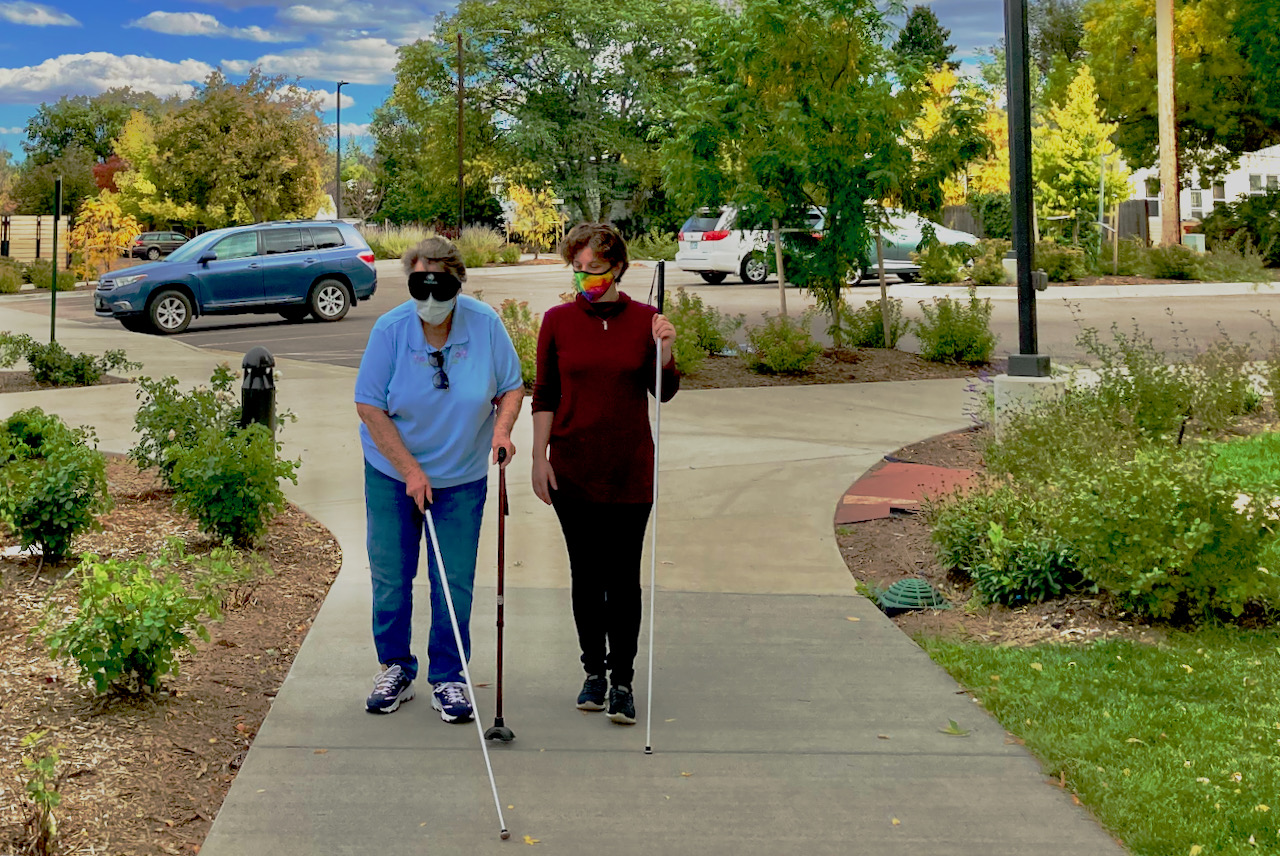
713,247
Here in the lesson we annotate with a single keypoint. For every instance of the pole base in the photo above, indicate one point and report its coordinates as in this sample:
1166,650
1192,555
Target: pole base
1029,365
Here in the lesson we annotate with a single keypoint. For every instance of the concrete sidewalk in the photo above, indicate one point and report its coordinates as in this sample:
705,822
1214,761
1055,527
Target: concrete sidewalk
771,706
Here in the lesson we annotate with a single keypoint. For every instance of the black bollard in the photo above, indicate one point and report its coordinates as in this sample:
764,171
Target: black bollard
258,392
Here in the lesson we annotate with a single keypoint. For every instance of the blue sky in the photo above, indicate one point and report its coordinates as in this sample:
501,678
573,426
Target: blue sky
79,47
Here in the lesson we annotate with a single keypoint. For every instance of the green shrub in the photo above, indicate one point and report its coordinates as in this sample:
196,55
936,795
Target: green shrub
995,210
1137,383
1130,259
1229,264
509,254
958,522
522,326
780,346
229,481
1023,567
40,274
52,484
654,244
939,264
479,245
865,327
168,417
1173,262
10,279
988,264
1062,264
134,617
1253,221
391,242
1161,533
42,790
700,329
953,332
14,347
54,365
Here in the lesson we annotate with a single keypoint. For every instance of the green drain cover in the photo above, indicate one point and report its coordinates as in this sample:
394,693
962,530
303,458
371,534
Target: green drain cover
910,594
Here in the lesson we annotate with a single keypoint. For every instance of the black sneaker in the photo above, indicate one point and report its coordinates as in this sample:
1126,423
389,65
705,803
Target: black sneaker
622,706
390,689
592,695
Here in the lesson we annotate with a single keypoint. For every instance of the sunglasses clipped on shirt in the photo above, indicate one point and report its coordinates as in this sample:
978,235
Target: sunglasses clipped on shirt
440,380
438,284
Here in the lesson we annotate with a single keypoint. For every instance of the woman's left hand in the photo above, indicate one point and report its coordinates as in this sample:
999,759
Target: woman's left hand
664,332
503,441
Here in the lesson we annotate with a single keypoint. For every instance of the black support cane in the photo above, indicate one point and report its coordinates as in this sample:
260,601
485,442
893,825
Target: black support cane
499,731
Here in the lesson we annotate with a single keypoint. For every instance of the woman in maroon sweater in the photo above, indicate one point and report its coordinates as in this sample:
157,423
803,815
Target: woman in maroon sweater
590,409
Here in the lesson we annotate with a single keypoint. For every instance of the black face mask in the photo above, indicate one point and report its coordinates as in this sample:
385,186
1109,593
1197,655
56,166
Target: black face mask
441,286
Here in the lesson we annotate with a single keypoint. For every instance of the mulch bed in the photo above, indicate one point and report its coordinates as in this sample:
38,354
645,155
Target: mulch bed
846,365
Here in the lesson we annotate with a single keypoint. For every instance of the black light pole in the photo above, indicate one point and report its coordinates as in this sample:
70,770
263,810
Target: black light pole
337,187
53,292
460,98
1027,362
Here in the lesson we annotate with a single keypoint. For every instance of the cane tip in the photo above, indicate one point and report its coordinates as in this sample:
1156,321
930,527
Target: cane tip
505,835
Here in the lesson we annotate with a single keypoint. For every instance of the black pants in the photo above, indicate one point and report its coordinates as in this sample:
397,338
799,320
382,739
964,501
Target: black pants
605,541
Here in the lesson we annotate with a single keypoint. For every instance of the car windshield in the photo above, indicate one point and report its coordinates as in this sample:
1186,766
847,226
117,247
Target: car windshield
192,249
700,224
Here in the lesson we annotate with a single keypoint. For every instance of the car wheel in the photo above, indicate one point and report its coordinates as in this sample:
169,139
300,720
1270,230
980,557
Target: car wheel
755,269
329,300
170,312
715,277
153,253
907,276
136,324
294,314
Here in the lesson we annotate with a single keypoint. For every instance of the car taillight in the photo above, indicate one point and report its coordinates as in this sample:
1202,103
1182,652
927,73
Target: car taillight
138,242
679,236
715,235
367,257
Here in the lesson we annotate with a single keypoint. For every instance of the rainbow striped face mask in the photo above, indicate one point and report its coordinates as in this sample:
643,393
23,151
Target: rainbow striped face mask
593,286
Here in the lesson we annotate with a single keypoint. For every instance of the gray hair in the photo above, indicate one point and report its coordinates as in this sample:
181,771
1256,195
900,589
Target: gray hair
436,249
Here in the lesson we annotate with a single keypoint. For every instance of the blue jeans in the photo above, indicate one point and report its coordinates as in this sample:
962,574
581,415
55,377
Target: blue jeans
396,531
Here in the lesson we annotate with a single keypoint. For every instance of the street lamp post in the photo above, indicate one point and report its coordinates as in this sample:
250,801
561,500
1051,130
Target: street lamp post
460,98
337,184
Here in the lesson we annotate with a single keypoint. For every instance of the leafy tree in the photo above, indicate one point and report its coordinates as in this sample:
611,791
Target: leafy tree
92,123
537,218
923,41
233,153
104,174
777,121
33,187
363,183
1055,29
1067,156
101,235
1225,105
1255,27
8,174
581,91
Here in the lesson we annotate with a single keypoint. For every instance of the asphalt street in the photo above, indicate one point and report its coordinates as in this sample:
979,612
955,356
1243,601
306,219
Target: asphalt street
1177,324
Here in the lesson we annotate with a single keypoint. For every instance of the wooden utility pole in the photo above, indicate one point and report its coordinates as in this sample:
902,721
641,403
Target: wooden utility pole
1170,211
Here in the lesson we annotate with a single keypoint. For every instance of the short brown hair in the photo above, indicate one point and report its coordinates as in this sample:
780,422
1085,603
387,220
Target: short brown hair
435,249
604,241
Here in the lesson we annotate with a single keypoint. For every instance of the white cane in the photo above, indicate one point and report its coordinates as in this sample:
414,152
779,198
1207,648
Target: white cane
653,549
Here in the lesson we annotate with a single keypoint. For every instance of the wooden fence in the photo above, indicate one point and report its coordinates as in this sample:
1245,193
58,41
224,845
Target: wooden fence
1133,220
27,237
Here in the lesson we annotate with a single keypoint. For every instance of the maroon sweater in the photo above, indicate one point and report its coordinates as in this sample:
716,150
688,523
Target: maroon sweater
595,373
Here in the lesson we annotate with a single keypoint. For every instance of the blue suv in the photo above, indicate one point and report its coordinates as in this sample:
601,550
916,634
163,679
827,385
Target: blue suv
296,268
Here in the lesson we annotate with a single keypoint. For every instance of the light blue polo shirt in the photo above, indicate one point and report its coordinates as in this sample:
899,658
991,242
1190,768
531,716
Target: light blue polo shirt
449,431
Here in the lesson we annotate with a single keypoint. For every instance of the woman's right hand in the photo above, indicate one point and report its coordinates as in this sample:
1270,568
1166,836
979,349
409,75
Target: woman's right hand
544,478
418,487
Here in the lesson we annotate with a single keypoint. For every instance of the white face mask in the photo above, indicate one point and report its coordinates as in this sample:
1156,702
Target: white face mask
435,312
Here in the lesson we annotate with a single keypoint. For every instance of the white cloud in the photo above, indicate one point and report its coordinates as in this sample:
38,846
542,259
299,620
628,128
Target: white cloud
326,99
13,130
366,60
98,71
308,15
36,15
200,24
352,129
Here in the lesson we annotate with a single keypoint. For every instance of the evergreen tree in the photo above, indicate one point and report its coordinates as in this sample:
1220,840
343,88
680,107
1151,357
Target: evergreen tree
923,41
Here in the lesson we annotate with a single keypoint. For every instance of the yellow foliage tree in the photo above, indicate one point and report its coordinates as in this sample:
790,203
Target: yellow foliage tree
537,219
101,235
986,176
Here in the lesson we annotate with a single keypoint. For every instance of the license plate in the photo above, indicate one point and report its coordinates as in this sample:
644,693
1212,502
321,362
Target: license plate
693,245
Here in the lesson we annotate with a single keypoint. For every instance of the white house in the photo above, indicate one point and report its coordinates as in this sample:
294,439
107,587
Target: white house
1258,171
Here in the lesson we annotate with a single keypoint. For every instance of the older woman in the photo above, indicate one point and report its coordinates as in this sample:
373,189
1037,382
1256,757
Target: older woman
590,409
438,392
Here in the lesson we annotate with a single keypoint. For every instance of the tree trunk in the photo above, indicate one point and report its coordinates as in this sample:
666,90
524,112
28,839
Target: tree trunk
884,290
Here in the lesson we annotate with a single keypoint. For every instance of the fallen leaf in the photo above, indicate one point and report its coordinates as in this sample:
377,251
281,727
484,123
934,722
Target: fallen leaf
953,729
1195,850
1188,668
1262,808
510,806
321,752
1135,740
686,775
852,618
668,720
529,839
1037,667
896,822
882,736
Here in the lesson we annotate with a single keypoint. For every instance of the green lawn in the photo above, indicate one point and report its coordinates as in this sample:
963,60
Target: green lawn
1174,747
